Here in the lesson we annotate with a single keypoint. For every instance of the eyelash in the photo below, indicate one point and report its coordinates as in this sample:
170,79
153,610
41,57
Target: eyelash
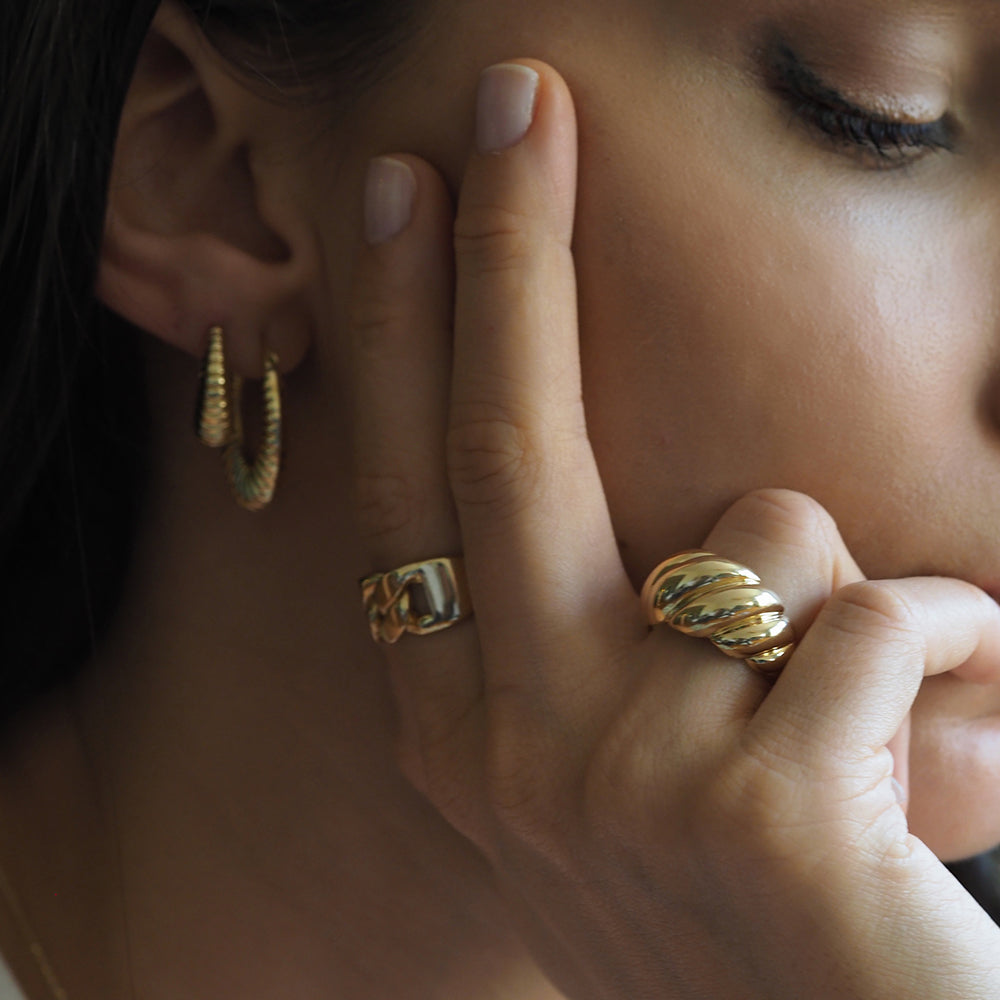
881,142
891,141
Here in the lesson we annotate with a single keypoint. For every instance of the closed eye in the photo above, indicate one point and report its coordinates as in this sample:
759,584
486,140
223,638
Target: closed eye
881,141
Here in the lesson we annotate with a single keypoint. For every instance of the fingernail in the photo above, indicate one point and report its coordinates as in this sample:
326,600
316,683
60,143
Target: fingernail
389,190
505,106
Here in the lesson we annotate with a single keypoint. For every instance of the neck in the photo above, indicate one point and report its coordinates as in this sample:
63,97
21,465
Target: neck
253,834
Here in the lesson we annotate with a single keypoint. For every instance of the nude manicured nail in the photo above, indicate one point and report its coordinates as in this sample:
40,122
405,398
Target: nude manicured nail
389,190
505,106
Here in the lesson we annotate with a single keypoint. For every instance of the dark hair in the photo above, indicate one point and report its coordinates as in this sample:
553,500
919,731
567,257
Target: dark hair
72,419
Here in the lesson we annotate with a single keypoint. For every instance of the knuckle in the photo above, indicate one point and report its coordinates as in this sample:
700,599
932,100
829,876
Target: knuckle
635,780
784,517
522,798
376,317
788,822
875,610
492,239
388,504
622,766
760,793
445,724
621,781
765,775
436,778
491,464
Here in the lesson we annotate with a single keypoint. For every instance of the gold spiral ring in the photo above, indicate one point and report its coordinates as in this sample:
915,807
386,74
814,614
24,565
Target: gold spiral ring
709,597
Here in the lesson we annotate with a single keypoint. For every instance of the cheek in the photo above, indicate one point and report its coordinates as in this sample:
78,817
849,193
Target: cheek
741,332
732,340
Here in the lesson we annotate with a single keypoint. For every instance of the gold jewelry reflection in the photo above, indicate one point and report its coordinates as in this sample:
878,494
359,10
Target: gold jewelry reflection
709,597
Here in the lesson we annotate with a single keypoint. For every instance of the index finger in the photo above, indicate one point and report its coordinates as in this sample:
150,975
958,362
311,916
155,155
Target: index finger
540,550
856,672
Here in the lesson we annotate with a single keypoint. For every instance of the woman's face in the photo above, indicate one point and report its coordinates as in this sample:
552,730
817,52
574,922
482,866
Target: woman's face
788,252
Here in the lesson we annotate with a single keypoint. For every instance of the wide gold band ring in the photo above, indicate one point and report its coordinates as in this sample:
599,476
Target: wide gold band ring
421,598
707,596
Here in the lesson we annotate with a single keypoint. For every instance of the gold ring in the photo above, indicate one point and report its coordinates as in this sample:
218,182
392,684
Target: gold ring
421,598
707,596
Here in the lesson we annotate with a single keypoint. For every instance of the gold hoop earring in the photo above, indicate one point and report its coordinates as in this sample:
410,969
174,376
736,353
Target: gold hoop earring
219,424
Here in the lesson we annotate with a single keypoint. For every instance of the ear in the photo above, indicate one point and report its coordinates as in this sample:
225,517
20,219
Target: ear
202,228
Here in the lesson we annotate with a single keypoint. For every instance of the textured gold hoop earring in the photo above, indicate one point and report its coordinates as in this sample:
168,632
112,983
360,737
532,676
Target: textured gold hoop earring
213,423
220,425
254,483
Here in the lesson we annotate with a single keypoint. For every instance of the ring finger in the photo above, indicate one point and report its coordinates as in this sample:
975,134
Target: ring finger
402,338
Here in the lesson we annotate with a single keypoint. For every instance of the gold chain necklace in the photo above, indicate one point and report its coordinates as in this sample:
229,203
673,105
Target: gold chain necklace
31,938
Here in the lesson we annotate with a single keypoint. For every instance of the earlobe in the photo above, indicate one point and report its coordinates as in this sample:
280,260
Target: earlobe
194,236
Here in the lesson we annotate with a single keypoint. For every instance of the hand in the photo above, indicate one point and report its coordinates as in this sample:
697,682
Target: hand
663,823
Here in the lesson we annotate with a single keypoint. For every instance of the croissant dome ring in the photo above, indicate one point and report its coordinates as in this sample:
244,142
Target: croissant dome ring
709,597
421,599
